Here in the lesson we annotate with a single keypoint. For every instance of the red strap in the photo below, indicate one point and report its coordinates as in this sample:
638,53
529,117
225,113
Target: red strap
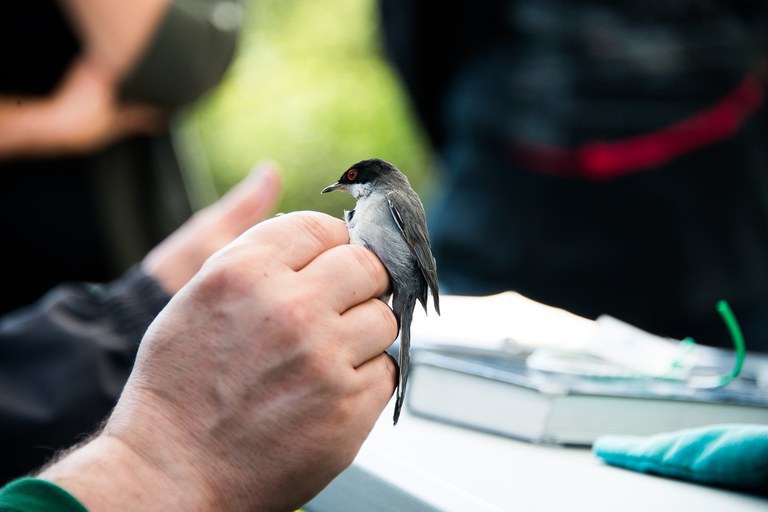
603,160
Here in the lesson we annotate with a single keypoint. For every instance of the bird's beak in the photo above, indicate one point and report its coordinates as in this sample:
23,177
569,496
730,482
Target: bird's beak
331,188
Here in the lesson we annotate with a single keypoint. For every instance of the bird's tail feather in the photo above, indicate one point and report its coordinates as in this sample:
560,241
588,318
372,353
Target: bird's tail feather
404,358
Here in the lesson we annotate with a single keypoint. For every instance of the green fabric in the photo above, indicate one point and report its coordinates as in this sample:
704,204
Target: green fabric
190,51
35,495
733,456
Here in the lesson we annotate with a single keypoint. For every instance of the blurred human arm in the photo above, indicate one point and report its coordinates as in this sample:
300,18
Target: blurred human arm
82,114
115,34
138,62
255,386
167,53
64,360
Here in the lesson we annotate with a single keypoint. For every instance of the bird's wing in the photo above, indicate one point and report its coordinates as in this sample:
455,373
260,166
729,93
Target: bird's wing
412,223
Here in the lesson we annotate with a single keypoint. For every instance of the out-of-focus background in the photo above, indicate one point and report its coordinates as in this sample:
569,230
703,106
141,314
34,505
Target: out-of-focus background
311,89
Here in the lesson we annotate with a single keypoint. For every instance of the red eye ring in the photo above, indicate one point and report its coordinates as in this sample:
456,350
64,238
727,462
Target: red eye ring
352,174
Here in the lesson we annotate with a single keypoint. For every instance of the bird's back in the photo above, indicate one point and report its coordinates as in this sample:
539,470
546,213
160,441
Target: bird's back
373,226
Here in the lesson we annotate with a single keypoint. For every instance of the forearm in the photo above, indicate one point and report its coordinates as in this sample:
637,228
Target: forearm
83,114
115,34
27,128
138,59
161,52
191,49
106,474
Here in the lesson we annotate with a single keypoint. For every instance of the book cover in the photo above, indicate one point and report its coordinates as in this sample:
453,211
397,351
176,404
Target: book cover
504,395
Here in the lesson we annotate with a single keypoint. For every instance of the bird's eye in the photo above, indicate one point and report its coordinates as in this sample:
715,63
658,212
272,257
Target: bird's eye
352,174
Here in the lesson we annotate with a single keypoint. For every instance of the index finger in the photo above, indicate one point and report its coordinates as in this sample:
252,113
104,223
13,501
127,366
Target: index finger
350,274
295,239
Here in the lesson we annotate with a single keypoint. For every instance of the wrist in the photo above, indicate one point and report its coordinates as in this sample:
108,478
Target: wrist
107,474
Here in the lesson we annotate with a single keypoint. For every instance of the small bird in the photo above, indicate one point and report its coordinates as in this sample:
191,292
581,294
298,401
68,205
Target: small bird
389,220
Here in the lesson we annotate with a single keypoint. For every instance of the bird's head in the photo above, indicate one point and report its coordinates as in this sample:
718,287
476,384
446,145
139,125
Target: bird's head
365,176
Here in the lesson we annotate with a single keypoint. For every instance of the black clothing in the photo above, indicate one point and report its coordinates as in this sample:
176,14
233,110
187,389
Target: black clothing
64,362
65,358
90,217
603,157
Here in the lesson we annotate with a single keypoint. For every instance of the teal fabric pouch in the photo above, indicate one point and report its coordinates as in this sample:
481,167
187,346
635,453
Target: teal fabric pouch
734,456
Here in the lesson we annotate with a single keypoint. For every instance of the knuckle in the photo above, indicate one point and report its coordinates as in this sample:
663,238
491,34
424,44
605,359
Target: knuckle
300,318
345,410
323,368
316,224
292,313
220,280
300,305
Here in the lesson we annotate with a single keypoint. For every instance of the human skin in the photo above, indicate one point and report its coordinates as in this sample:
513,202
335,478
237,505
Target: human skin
255,386
179,257
84,113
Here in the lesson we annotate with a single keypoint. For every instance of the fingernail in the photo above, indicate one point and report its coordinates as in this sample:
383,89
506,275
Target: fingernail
263,169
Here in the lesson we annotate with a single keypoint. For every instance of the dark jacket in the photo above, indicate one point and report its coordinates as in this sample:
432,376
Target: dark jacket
64,362
604,157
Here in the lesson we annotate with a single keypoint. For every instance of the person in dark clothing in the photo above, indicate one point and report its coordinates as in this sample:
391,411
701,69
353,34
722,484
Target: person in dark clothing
89,169
603,157
65,359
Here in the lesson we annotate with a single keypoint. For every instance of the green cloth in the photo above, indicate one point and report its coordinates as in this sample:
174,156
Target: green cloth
734,456
188,55
35,495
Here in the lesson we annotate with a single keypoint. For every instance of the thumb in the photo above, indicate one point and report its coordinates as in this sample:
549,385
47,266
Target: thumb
251,200
181,255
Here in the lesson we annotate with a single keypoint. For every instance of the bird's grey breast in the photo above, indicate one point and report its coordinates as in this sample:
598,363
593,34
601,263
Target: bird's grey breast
373,226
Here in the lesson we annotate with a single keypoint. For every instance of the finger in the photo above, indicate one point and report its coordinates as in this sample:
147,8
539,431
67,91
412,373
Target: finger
297,238
250,201
377,379
373,327
348,275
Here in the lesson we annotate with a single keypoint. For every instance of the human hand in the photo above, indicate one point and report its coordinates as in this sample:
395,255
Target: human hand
180,256
255,386
81,115
84,113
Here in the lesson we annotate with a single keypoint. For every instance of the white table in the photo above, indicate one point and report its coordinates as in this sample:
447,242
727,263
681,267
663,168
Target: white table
422,465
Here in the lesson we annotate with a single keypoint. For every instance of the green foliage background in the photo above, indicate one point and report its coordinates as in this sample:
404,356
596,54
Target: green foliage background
311,89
